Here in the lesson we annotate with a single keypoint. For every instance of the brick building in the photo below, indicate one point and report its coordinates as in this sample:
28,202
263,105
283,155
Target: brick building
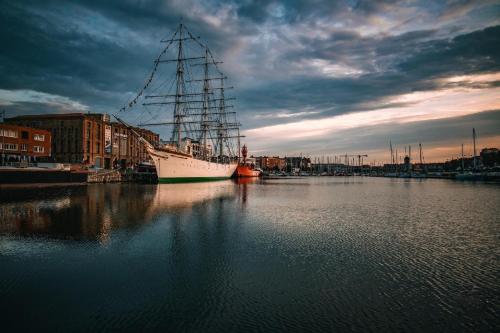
125,149
271,163
23,144
90,138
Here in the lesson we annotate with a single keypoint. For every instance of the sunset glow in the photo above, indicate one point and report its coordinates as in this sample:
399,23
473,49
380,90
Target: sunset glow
325,79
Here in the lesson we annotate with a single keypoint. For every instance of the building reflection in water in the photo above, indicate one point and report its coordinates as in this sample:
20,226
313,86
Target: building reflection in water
243,187
91,212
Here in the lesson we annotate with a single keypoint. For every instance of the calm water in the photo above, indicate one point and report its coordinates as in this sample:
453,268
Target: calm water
319,254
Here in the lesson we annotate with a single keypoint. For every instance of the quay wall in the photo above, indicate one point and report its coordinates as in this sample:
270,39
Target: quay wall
21,176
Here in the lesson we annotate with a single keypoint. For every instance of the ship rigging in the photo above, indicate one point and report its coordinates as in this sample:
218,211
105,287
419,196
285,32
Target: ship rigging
202,128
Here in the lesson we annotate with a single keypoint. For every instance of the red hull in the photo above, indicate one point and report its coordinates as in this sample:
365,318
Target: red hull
246,171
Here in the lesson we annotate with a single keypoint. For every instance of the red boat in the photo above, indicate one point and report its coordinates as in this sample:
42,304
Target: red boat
247,167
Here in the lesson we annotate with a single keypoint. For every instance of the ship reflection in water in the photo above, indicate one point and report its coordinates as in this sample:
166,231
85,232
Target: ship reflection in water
316,254
92,212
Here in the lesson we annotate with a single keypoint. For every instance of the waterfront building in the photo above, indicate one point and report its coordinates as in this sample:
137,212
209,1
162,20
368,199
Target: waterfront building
90,139
22,145
269,163
329,168
490,157
124,149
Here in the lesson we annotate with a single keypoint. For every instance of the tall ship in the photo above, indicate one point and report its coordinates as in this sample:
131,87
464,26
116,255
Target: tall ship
185,96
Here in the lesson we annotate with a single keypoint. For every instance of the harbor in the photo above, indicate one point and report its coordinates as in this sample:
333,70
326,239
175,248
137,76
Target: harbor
315,253
249,166
205,141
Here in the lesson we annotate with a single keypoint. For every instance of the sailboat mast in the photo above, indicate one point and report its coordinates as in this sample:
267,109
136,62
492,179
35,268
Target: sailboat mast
397,160
420,152
474,144
463,158
392,153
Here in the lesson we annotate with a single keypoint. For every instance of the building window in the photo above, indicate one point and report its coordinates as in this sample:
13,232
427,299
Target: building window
39,137
38,149
8,133
123,146
9,146
24,135
24,147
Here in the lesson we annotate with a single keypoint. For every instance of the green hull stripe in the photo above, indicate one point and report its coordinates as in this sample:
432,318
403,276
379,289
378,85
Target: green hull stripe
189,179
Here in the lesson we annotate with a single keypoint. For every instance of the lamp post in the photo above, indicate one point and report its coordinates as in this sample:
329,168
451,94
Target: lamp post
3,138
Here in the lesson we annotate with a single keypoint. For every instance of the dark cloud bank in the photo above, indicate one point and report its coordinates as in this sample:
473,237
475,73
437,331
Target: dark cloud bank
98,52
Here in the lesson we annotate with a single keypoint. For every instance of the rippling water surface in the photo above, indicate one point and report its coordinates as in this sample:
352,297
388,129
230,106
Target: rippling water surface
317,254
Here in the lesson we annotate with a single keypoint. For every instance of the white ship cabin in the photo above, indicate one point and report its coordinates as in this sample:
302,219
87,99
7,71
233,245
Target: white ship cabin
190,146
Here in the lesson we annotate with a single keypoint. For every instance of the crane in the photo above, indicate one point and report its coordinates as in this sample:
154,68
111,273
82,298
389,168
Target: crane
359,156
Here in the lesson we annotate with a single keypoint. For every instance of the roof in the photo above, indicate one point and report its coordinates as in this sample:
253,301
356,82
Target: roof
17,127
137,129
54,116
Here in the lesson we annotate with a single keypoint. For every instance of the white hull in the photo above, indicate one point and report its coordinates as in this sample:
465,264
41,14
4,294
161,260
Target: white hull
173,167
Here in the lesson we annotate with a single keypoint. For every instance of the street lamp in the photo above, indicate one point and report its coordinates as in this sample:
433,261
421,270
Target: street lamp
3,138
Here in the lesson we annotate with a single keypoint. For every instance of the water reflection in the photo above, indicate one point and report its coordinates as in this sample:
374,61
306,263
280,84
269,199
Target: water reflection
316,254
169,197
92,212
243,187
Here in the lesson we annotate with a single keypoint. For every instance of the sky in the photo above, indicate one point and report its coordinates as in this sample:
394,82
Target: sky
310,77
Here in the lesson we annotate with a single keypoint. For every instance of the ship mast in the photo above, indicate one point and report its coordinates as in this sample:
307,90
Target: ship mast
179,93
222,118
204,116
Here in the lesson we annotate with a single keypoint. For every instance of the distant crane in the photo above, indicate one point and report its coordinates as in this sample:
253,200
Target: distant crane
359,156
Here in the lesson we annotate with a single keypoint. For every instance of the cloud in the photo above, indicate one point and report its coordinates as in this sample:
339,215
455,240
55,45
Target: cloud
441,138
290,61
14,98
408,108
